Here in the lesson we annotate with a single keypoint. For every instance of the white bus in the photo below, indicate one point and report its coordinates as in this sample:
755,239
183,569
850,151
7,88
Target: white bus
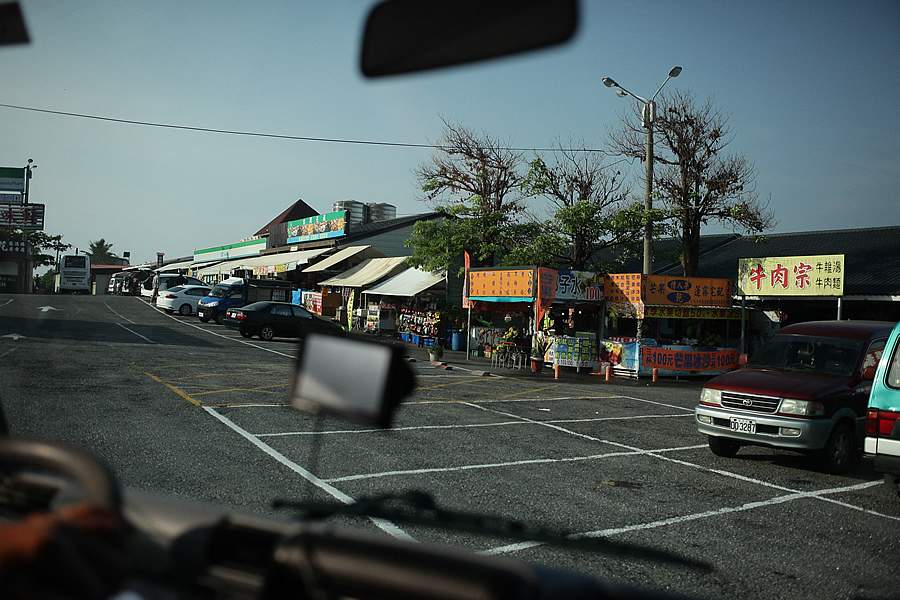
74,273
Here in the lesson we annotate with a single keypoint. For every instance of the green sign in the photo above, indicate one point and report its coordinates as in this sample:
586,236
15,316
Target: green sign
12,179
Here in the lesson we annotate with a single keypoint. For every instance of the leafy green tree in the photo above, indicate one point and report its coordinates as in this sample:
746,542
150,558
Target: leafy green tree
100,254
694,178
45,248
474,179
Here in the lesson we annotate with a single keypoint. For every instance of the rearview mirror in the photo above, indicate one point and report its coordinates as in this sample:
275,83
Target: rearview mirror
403,36
350,377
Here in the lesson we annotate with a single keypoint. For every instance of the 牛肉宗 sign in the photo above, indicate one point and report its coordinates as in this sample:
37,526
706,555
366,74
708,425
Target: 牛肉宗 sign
816,275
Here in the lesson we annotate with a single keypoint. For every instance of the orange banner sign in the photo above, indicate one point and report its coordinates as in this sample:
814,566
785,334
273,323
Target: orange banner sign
688,360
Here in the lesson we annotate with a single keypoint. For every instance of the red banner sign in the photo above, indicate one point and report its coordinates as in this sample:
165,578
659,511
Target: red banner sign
688,360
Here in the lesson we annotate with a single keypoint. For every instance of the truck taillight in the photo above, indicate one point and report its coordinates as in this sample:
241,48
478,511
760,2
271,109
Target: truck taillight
881,423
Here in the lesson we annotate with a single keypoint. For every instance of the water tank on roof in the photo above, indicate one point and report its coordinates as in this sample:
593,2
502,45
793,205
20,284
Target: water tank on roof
380,211
357,212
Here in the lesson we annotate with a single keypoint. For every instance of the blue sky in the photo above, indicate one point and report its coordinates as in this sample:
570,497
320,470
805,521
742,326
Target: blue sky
811,90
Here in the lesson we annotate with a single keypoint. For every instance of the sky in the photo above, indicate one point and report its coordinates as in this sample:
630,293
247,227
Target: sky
810,90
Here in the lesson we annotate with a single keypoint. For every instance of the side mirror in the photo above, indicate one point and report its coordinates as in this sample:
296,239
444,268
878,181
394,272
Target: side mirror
868,373
404,36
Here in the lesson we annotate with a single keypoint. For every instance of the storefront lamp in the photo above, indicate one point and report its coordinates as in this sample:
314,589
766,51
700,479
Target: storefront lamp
507,318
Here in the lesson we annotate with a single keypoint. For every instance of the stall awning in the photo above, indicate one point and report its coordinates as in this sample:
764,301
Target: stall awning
301,257
407,283
185,264
223,267
368,271
344,254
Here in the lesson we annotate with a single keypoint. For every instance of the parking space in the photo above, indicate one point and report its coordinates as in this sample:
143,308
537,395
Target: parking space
621,460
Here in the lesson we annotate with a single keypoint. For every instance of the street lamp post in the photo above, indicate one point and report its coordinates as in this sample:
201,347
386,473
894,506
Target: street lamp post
648,114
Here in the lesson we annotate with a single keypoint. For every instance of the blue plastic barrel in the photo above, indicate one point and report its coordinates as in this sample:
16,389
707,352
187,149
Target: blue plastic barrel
458,341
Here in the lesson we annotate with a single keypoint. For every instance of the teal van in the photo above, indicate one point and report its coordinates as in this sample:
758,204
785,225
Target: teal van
882,442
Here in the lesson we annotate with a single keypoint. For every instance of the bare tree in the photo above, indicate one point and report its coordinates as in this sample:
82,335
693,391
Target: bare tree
695,180
474,176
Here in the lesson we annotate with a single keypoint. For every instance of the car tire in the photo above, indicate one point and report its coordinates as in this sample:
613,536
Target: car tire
220,318
246,334
839,453
184,310
204,319
266,332
723,446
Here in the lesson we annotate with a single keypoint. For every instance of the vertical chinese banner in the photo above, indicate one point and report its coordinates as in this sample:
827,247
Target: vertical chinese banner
546,293
465,293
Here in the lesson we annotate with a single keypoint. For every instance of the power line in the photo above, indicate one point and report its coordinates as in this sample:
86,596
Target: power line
257,134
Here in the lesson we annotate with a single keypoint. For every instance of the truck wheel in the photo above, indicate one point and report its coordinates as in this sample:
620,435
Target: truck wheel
266,332
723,446
839,452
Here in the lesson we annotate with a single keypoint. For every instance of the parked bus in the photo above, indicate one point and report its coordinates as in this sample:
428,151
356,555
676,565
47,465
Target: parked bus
74,273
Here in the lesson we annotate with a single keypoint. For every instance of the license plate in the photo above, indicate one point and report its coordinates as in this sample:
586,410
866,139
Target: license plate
743,425
201,313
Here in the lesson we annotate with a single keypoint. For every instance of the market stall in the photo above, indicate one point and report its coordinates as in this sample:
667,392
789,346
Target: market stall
676,325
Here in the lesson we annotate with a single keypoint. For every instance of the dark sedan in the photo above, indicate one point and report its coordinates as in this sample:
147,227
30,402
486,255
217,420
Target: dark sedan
276,319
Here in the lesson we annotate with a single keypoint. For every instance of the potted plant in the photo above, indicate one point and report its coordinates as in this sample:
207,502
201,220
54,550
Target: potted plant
538,350
435,352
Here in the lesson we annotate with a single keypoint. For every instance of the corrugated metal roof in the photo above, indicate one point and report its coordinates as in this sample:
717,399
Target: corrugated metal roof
342,255
407,283
368,271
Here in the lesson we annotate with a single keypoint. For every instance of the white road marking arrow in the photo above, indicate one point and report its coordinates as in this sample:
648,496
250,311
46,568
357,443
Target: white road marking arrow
46,308
15,336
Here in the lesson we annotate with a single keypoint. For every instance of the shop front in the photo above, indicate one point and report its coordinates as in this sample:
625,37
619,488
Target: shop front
677,326
553,315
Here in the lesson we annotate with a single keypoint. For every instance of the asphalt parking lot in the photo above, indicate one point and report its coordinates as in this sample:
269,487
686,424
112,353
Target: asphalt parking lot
620,460
193,409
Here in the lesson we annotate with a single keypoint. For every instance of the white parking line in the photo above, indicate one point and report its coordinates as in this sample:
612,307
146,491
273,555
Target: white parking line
508,549
335,493
135,333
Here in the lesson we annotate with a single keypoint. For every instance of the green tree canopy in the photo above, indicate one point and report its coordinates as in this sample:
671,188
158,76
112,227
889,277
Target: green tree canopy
100,254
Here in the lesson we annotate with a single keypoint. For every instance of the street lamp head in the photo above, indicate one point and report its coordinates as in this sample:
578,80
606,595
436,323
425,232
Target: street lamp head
621,93
675,72
609,82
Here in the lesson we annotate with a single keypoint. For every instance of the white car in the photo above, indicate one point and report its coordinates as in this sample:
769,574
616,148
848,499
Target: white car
182,298
166,281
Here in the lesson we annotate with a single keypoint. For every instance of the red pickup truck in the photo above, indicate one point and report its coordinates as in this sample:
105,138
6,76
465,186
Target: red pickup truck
806,389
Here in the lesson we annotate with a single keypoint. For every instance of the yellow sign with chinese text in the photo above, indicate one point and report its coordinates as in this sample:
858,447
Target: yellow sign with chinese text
818,275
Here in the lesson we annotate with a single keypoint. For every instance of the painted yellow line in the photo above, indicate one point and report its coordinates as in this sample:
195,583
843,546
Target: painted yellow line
170,386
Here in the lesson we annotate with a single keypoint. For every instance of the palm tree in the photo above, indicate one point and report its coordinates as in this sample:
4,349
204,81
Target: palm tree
100,254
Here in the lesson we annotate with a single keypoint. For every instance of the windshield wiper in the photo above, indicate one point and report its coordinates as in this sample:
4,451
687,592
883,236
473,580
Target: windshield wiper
419,508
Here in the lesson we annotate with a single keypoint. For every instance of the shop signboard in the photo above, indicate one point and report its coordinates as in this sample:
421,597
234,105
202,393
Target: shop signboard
12,179
320,227
643,296
574,352
691,312
241,249
502,285
22,216
658,290
670,359
813,275
582,286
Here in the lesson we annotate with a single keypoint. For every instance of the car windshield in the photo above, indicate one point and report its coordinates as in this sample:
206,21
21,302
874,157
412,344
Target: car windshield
219,291
829,356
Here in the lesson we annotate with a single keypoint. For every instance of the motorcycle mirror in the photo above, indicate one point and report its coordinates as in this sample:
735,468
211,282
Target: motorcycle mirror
349,377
